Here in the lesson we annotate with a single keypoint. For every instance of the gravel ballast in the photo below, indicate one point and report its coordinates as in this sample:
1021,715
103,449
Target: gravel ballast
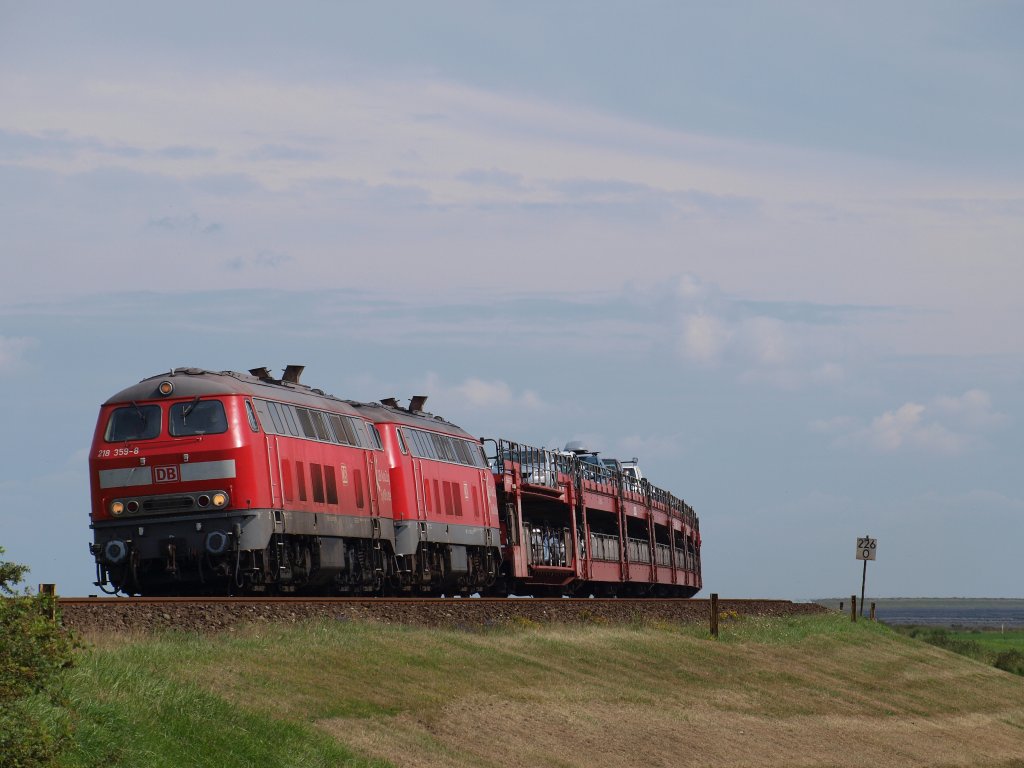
127,615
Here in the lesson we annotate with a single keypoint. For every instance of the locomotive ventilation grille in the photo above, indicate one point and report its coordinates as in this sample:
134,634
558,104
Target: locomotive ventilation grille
168,503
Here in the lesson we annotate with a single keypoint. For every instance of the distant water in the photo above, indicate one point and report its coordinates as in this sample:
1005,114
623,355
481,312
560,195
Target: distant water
943,612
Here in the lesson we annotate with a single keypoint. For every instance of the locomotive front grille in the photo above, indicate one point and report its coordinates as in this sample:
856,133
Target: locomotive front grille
168,503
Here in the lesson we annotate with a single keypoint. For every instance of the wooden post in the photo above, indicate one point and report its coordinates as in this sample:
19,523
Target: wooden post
50,590
853,608
873,611
714,614
841,605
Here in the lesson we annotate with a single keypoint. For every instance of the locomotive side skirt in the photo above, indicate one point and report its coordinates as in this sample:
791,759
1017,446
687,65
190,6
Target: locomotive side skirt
408,535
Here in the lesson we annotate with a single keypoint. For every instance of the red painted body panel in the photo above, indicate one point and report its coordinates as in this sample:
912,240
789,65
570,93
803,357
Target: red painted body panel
267,467
437,491
248,485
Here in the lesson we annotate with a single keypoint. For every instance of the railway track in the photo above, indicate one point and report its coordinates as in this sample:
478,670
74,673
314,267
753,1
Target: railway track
286,600
204,614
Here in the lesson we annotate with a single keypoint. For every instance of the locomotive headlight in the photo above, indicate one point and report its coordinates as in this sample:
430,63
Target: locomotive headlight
219,499
165,388
116,507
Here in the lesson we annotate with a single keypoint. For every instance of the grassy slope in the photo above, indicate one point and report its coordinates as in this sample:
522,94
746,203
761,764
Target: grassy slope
807,691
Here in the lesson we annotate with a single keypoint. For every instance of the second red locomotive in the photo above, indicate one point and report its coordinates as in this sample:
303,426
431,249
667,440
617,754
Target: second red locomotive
206,482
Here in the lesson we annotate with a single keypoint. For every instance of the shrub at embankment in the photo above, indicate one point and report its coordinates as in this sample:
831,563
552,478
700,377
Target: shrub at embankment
33,651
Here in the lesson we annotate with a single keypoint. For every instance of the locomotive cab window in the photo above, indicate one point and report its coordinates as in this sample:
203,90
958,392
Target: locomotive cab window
251,414
134,422
374,434
198,417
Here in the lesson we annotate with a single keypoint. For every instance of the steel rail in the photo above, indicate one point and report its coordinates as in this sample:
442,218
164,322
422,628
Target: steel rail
278,599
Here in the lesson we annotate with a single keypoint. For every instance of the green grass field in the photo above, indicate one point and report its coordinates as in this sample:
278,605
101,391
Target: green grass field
781,692
992,640
1001,649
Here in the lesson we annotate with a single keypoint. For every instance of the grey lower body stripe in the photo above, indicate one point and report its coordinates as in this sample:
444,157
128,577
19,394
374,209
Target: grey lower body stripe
207,470
120,478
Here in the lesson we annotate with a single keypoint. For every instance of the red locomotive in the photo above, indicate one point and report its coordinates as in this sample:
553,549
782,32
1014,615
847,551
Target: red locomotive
206,482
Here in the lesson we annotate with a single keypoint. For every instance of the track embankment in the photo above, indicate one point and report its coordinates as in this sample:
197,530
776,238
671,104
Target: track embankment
116,615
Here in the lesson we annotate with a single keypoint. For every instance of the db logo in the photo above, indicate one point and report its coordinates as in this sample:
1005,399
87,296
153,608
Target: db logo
168,474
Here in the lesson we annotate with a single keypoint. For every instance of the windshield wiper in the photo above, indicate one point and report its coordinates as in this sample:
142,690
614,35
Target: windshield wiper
142,419
191,407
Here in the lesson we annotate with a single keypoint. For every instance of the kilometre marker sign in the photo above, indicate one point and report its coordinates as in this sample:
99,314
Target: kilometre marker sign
866,548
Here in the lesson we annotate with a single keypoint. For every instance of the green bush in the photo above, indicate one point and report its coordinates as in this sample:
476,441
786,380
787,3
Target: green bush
33,650
26,739
1010,661
944,639
10,575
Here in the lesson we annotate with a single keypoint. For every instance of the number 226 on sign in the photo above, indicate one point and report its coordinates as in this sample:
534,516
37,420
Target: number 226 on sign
866,548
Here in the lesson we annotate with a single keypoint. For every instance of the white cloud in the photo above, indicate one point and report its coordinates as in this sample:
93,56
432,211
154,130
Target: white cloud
703,338
480,393
789,352
662,199
691,287
920,428
531,400
973,408
785,345
765,340
12,352
905,427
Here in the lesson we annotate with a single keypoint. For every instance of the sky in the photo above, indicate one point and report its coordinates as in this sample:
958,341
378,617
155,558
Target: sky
771,250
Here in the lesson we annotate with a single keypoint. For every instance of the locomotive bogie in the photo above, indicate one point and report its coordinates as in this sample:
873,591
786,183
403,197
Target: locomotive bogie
254,551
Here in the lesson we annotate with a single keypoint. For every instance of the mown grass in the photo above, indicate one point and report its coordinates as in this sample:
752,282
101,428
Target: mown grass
341,693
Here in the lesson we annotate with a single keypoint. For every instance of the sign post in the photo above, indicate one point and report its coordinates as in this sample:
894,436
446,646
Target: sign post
866,549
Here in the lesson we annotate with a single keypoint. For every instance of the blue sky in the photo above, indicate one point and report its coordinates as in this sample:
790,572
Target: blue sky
771,250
